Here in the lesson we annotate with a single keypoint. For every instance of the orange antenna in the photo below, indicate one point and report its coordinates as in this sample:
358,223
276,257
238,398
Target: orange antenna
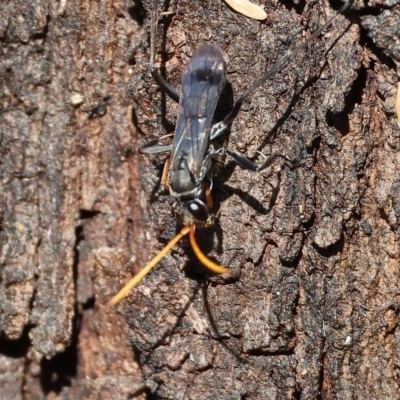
211,265
137,278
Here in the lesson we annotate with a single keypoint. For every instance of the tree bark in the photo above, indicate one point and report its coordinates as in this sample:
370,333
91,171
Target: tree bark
310,308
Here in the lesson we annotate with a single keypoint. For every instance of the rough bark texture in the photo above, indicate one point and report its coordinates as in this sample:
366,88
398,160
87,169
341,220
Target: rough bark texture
311,307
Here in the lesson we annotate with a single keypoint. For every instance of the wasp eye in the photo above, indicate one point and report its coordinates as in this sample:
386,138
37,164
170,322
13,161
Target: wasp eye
198,209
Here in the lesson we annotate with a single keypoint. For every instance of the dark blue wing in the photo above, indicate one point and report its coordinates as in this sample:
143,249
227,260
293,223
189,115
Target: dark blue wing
202,83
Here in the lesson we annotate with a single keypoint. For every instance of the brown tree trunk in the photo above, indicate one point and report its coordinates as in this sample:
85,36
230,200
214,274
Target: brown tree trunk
310,309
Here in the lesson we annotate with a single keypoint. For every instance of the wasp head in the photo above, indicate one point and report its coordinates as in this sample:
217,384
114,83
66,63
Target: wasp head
193,212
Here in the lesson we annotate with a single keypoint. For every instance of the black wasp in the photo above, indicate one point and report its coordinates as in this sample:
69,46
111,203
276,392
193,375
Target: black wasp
192,150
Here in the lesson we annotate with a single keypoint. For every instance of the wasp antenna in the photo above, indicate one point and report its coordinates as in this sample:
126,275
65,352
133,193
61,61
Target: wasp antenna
137,278
211,265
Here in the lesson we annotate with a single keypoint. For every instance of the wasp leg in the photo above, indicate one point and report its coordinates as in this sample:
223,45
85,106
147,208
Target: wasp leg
163,83
241,160
151,147
212,153
209,200
219,128
156,149
164,177
271,158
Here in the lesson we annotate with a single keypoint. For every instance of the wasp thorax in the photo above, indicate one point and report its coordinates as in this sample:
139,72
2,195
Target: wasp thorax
181,182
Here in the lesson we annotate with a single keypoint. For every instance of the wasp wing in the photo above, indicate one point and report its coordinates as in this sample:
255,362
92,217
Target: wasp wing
202,83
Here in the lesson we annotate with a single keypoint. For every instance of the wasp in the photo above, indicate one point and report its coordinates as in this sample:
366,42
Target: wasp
186,174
